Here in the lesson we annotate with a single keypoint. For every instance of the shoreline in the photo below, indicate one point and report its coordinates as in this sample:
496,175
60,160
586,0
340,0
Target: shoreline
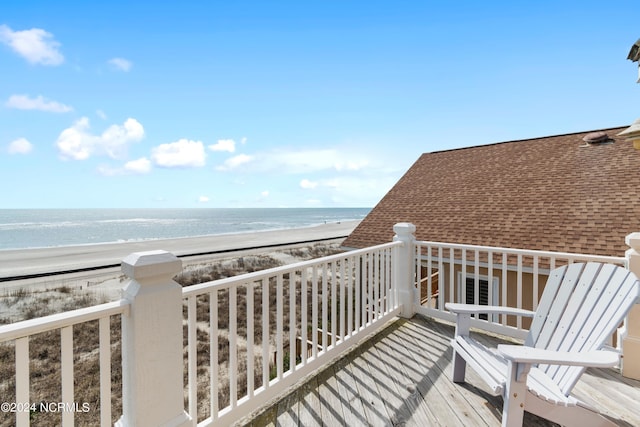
156,239
23,262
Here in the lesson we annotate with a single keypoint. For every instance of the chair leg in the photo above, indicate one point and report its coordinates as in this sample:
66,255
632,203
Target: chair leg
459,367
514,397
463,322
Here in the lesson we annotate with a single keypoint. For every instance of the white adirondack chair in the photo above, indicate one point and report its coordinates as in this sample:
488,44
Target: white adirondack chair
581,306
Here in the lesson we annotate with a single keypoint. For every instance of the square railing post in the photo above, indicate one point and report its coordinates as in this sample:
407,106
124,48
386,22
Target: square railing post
404,267
152,361
630,334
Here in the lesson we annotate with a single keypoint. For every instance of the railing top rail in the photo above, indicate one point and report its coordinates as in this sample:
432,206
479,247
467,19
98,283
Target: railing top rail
205,287
60,320
526,252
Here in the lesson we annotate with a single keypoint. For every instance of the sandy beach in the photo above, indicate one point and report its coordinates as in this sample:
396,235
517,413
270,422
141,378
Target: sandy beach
24,262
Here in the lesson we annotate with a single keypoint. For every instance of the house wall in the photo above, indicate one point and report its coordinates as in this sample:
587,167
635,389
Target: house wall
444,288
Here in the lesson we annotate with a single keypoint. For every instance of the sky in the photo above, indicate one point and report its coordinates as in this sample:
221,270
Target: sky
167,104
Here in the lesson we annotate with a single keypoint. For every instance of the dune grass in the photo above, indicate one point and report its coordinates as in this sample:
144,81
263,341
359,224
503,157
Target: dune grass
44,349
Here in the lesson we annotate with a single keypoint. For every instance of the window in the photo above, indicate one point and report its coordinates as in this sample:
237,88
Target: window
483,296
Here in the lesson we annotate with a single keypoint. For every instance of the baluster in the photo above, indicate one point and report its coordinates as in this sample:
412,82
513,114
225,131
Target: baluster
22,378
250,319
279,326
104,331
66,371
266,309
233,345
303,316
519,291
314,311
213,353
192,343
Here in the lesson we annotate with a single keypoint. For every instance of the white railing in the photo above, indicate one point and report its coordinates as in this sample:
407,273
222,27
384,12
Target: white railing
449,272
249,338
64,404
252,336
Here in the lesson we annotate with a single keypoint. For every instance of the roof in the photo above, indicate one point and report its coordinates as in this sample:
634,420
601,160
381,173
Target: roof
553,193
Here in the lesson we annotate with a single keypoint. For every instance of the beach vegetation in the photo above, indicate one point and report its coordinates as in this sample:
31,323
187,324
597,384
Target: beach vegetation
225,268
44,348
317,250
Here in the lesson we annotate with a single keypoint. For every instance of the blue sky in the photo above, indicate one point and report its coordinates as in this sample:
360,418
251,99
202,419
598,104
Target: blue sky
288,103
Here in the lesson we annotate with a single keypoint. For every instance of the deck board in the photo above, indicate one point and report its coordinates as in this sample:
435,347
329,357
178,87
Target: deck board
330,400
402,377
406,407
374,408
310,406
455,410
347,387
287,413
409,380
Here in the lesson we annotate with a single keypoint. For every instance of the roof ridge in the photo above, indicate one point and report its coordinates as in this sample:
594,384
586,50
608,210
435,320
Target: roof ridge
524,139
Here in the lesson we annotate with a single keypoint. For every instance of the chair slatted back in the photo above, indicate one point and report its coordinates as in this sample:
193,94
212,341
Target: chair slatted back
581,306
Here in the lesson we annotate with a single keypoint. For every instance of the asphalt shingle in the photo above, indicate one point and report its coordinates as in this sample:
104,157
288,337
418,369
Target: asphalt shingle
554,193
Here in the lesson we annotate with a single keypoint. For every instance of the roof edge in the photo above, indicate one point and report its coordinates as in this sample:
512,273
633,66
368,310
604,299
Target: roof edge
525,139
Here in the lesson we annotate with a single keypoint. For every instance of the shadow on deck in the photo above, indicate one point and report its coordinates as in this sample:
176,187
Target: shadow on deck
402,377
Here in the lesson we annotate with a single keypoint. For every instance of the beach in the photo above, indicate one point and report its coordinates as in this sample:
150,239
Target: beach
100,284
26,262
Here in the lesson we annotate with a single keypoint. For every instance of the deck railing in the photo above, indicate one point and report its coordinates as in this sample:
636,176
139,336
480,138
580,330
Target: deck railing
487,275
210,354
20,404
252,336
247,338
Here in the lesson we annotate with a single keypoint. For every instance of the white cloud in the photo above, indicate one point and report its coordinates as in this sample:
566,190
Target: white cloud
182,153
140,166
294,162
101,114
77,143
224,145
23,102
116,138
306,184
203,199
235,162
121,64
135,167
265,193
20,146
36,45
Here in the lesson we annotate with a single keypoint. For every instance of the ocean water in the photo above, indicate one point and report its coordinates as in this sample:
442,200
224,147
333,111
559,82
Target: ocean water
35,228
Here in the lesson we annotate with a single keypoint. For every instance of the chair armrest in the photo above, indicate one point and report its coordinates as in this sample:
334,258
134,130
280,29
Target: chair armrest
488,309
523,354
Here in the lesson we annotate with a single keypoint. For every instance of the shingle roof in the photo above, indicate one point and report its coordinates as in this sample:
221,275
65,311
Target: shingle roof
552,193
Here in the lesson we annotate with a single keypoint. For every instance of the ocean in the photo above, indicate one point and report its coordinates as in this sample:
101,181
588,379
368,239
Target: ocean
36,228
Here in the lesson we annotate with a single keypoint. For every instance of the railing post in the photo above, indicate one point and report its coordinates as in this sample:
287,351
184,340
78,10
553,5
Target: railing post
630,333
152,362
404,267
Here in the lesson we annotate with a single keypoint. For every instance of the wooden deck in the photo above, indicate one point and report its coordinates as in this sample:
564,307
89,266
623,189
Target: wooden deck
402,377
